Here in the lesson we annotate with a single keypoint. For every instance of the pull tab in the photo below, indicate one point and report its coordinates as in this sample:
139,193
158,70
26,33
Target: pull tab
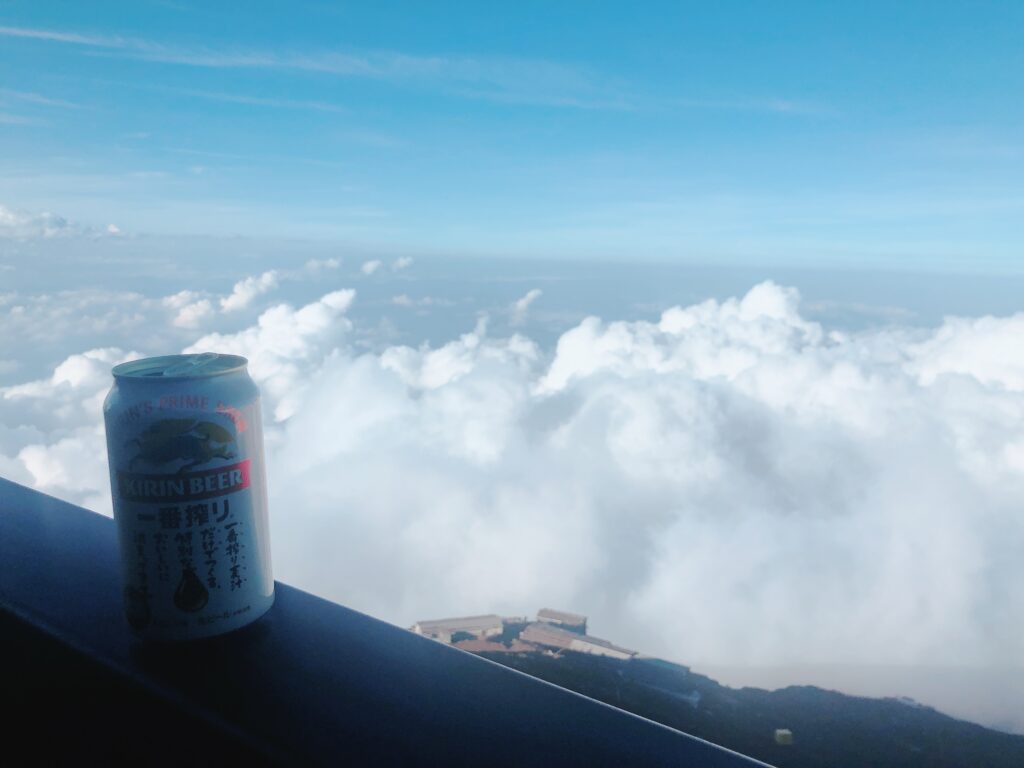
192,365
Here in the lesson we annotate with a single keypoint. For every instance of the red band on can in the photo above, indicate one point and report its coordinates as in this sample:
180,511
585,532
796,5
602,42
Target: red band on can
185,486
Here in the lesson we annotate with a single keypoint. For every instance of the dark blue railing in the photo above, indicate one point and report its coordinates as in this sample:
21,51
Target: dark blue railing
311,682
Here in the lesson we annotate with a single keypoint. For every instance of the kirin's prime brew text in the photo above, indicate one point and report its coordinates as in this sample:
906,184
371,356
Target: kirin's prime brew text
185,443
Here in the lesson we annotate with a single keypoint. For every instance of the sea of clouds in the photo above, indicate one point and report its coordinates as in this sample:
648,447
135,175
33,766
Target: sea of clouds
727,483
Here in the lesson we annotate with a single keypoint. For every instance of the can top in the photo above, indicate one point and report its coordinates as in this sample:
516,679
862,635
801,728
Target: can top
181,366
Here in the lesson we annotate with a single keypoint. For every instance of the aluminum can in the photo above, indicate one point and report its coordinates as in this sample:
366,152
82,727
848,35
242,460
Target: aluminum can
187,477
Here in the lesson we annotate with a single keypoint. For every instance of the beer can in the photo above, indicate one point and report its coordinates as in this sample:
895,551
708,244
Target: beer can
185,445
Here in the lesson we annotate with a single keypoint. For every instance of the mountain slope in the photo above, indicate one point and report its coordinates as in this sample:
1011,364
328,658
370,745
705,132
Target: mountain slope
829,728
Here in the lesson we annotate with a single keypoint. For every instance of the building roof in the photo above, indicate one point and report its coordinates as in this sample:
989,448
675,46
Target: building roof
489,646
547,634
547,614
603,644
461,624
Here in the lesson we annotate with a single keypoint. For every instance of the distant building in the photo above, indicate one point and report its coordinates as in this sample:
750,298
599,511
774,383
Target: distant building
551,636
571,622
443,629
491,633
783,736
489,646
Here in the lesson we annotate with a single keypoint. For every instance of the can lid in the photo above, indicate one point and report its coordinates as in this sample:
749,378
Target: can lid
180,366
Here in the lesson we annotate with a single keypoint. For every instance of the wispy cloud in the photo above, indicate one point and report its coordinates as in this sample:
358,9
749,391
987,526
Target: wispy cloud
521,306
373,139
65,37
501,79
258,101
8,118
36,98
264,158
775,105
208,153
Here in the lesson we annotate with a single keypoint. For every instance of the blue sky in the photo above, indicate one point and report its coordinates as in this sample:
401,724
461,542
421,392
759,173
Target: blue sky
878,134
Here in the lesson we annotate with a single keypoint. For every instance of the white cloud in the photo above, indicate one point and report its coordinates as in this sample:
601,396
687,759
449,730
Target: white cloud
74,318
404,300
43,225
729,482
318,265
86,370
369,267
976,347
248,289
52,434
403,262
192,308
22,225
283,344
522,305
38,329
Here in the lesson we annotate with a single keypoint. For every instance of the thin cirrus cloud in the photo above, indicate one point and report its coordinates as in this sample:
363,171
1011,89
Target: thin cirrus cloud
99,41
255,101
500,79
509,79
11,118
37,98
778,106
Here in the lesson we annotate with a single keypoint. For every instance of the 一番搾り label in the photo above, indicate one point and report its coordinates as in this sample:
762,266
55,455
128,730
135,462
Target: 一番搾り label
183,495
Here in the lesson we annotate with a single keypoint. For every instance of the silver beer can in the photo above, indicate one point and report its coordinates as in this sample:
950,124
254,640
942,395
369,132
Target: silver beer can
187,476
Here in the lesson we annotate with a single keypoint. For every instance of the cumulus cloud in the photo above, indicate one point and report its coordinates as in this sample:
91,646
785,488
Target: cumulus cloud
50,435
246,290
522,305
44,225
401,263
51,429
728,482
194,308
72,319
37,329
22,225
404,300
318,265
191,308
369,267
284,344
